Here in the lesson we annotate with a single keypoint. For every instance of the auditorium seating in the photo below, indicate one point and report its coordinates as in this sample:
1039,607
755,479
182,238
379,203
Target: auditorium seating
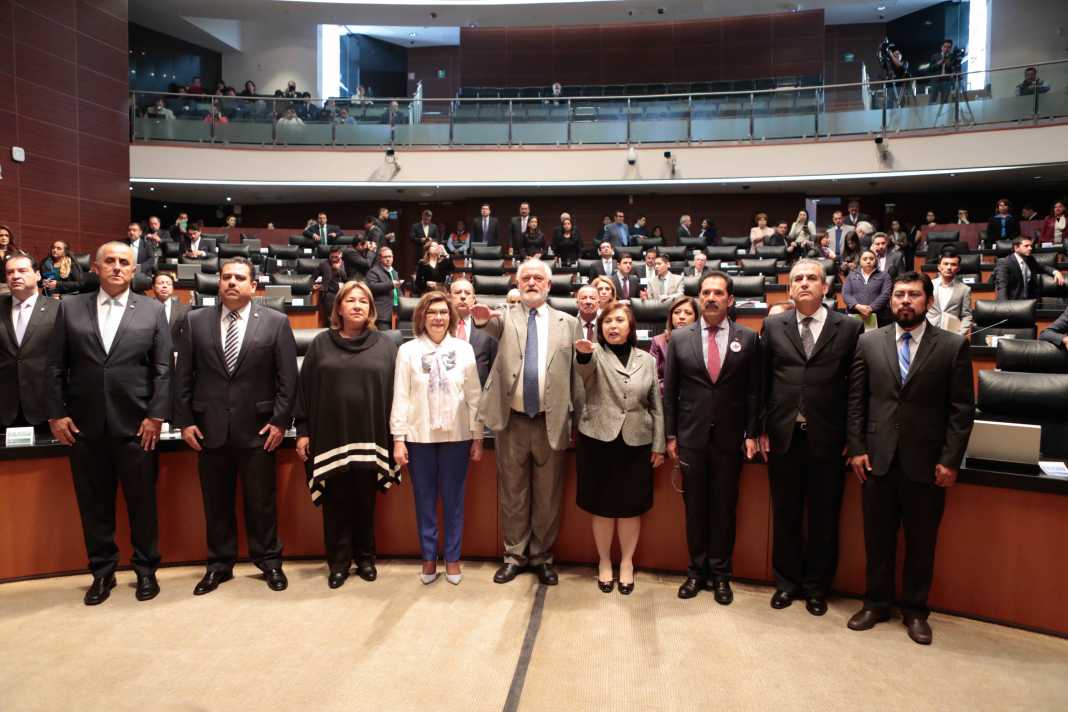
650,315
237,250
561,284
491,284
1015,318
485,252
204,285
564,304
405,310
489,267
764,267
775,252
1031,356
735,242
749,288
307,265
299,284
726,253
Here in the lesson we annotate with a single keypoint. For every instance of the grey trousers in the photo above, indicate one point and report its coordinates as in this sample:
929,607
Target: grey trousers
530,489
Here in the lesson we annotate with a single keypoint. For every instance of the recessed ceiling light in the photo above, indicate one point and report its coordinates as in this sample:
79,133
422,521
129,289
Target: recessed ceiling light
228,199
881,8
1037,178
952,175
151,187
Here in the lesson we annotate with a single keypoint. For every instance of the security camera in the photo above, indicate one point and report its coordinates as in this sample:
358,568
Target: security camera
632,155
659,11
878,140
433,15
667,155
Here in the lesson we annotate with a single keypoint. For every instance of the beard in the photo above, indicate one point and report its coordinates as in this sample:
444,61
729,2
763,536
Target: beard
908,318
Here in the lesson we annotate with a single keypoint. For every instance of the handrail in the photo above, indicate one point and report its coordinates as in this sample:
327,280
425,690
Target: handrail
614,97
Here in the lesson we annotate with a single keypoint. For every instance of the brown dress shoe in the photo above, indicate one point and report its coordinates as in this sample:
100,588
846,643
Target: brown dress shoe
918,629
866,618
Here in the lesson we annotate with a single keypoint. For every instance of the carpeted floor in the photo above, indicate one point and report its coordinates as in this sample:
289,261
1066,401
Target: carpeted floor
398,645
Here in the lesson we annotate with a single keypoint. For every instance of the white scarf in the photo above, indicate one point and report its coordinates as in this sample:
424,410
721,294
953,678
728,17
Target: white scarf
440,390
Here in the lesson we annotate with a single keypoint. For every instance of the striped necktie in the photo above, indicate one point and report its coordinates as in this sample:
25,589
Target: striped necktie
231,348
903,355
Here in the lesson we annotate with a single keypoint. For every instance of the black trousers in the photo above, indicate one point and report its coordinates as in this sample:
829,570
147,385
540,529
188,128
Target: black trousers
890,502
219,469
803,559
349,519
710,493
99,466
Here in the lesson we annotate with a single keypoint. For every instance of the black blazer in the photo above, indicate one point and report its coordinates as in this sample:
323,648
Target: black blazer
1055,332
993,229
822,380
491,236
416,233
312,232
485,347
569,247
109,394
923,422
185,243
357,264
515,235
861,217
145,257
695,408
330,281
425,273
232,409
179,312
635,285
23,369
1009,281
381,286
597,269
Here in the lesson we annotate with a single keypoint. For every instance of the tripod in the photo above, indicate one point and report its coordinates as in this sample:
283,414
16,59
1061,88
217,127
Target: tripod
958,95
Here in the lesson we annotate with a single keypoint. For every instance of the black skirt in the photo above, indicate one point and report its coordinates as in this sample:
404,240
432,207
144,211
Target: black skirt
614,479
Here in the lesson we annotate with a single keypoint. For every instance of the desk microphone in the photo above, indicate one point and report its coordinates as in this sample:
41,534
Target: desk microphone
990,326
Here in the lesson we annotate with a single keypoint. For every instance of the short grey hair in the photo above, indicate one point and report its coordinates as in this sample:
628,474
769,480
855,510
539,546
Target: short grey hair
866,227
534,263
806,262
112,245
457,282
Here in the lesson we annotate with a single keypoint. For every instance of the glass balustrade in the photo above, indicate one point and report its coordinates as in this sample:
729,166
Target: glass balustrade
770,113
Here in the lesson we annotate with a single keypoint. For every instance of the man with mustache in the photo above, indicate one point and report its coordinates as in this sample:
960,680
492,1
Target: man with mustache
711,414
910,415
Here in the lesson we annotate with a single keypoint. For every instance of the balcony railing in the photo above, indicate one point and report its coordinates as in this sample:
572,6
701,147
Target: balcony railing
808,112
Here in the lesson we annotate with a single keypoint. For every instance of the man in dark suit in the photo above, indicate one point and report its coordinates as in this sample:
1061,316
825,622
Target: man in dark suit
807,354
618,231
424,230
360,258
699,266
888,259
628,286
192,245
684,227
385,285
1057,332
647,268
910,415
838,232
155,230
237,384
606,265
388,237
711,407
28,321
853,216
108,393
329,276
484,345
144,250
1016,275
322,231
173,310
484,228
517,228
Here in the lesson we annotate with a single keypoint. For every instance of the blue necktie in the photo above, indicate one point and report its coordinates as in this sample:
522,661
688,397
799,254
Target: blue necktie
531,404
903,355
838,241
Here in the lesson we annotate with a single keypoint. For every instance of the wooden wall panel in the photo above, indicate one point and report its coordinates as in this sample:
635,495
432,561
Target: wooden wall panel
65,72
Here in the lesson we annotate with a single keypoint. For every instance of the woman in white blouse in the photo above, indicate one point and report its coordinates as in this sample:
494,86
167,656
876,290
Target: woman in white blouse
761,231
435,430
803,227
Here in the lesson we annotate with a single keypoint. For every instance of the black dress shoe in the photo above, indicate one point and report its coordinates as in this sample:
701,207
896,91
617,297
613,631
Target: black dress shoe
816,605
691,587
606,586
211,581
508,572
367,571
918,628
547,574
276,580
99,590
626,588
866,618
722,592
147,587
781,599
337,578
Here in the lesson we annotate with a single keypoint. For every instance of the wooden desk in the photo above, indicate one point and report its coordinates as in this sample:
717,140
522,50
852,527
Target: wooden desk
1000,549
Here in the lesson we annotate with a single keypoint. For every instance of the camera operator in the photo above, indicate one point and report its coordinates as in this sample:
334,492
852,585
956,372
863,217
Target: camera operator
896,70
945,63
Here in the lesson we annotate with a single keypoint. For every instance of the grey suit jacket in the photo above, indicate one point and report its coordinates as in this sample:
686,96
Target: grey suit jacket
511,333
959,305
621,399
674,287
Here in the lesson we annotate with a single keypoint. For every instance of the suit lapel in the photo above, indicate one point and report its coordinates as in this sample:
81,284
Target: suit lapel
923,352
729,358
827,334
90,306
214,331
127,315
890,350
698,352
556,330
793,335
35,317
251,329
6,303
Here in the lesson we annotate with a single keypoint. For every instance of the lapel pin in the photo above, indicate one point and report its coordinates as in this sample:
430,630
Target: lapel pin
255,315
736,346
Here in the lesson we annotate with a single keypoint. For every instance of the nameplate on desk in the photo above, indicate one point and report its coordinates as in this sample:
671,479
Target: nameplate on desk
307,250
1053,469
752,305
291,432
643,334
1047,244
968,280
264,251
740,251
992,339
728,265
207,301
297,301
264,279
17,437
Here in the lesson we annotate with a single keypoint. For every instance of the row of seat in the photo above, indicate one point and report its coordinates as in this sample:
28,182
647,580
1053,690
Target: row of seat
574,90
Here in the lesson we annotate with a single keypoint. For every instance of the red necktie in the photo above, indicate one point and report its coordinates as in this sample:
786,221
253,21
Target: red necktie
626,287
589,331
713,354
461,329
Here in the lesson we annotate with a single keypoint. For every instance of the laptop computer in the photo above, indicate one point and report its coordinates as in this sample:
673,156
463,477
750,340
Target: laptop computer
994,443
279,290
188,271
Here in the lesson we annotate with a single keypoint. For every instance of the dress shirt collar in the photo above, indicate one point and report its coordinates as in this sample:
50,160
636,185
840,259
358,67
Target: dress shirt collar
917,333
103,298
243,312
724,327
543,310
30,301
818,317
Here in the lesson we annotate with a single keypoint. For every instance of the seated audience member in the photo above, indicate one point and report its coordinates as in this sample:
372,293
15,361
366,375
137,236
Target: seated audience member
153,230
1029,214
1002,225
806,244
329,276
606,290
322,231
951,305
647,268
780,308
1054,226
385,285
1057,332
250,89
803,227
556,92
1031,84
889,259
513,297
685,222
435,427
145,251
289,118
778,236
682,312
342,117
1016,275
196,87
433,269
462,295
215,116
60,273
823,248
159,110
533,244
867,291
758,234
567,244
699,266
459,242
425,230
627,284
664,286
962,217
192,245
24,346
361,98
709,232
606,265
173,308
291,90
657,233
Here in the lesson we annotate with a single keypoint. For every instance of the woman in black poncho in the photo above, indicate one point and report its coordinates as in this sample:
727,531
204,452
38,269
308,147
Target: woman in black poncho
346,393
